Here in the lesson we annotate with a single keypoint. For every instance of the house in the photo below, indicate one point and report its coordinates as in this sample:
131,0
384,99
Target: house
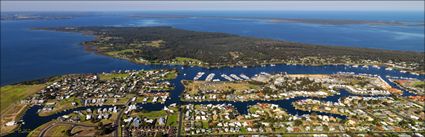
161,121
11,123
88,117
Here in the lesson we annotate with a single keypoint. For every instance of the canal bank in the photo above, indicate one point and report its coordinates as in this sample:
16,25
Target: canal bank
32,120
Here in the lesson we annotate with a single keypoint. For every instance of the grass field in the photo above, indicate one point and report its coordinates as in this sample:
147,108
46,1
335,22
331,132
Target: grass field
61,105
419,84
172,120
185,61
111,76
37,131
80,131
171,75
11,109
58,131
154,114
14,93
121,52
155,43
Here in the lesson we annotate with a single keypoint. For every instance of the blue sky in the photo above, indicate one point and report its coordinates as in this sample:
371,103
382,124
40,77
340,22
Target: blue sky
211,5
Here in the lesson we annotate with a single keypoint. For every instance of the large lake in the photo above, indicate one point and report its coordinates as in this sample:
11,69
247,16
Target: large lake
28,54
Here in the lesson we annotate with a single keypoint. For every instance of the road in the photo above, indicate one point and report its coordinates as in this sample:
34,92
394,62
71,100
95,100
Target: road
44,131
118,120
180,121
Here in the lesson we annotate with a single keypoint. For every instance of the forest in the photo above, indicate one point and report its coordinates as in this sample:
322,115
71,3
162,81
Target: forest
162,44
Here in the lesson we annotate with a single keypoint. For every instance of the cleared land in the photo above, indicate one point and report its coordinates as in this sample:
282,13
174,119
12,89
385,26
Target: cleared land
58,131
11,109
13,93
113,75
36,132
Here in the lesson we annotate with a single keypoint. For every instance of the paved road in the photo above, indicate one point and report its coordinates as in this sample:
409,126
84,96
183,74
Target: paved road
118,120
180,121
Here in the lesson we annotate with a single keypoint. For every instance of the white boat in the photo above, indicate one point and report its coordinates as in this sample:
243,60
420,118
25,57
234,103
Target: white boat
235,77
389,68
264,73
210,77
244,76
226,77
199,75
376,66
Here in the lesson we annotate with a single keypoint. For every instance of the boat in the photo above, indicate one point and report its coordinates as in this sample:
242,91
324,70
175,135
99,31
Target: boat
389,68
235,77
244,76
210,77
227,77
199,75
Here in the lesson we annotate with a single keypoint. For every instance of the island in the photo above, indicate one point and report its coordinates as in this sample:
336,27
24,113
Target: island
6,16
168,45
285,20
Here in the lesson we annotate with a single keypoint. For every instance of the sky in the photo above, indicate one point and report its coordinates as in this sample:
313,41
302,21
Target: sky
211,5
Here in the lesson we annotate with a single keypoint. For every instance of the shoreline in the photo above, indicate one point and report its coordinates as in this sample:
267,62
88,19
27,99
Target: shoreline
92,48
207,101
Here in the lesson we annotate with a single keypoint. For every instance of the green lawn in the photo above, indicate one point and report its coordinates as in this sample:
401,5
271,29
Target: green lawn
37,131
58,131
113,75
172,120
205,124
154,114
120,52
155,43
419,84
62,105
186,59
183,60
14,93
252,109
171,75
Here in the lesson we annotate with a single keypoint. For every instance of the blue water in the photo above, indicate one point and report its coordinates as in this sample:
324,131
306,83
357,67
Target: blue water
28,54
32,120
368,36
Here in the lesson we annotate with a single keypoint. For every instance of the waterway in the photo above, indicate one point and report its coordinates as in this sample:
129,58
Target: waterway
27,54
32,120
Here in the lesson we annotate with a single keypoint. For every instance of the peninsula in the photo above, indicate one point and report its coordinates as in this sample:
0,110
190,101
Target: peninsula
168,45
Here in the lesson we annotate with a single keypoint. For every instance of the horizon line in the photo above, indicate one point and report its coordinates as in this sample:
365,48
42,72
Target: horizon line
212,5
